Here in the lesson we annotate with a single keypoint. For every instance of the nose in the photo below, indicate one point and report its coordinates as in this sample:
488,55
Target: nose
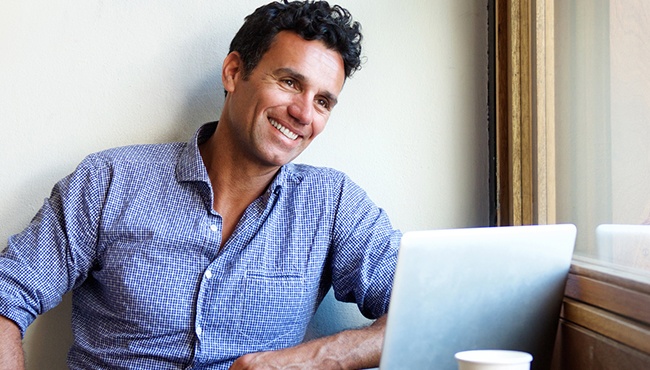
302,109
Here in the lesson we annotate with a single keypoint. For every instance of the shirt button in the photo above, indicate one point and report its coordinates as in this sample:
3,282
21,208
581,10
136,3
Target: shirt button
199,331
208,274
214,228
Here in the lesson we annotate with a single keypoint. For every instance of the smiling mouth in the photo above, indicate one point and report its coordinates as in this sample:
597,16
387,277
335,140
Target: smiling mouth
285,131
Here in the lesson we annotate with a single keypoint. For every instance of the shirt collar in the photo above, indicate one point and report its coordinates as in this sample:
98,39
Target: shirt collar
190,166
279,180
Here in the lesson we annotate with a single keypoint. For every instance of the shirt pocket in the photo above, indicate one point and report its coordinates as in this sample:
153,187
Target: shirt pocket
273,310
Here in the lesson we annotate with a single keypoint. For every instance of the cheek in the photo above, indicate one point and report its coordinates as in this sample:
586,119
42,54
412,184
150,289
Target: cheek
318,127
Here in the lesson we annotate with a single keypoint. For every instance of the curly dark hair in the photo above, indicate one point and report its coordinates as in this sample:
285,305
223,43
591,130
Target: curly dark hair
311,20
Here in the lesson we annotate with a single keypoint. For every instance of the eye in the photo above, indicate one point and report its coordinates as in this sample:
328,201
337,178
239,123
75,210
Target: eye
323,103
290,83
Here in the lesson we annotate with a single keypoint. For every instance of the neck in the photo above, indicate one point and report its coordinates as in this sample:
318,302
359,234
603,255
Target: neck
235,181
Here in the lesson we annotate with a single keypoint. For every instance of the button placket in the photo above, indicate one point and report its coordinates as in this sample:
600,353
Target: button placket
213,226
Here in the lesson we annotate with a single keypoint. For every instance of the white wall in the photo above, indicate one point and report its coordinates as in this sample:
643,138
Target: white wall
84,75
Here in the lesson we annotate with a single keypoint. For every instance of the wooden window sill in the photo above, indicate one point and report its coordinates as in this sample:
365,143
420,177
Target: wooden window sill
605,319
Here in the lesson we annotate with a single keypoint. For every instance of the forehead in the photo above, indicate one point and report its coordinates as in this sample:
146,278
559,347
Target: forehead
312,58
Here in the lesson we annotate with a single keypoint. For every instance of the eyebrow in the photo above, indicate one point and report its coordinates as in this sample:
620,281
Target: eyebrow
300,77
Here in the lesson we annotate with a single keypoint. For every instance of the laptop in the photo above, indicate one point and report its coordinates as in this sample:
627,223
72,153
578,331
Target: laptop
476,288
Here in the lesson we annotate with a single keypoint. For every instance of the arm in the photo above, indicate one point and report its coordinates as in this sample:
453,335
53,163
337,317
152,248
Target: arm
350,349
11,349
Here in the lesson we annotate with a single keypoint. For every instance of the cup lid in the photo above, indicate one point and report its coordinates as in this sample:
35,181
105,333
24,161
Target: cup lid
494,356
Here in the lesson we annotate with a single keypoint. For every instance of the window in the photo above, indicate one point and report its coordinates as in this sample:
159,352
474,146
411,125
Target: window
573,91
602,107
570,145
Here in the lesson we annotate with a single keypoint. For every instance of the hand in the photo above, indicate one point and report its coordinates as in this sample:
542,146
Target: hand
350,349
302,357
253,361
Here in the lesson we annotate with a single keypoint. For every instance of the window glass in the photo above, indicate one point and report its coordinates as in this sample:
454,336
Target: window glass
602,123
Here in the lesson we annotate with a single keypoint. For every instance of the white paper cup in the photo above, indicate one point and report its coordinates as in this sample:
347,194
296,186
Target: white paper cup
493,360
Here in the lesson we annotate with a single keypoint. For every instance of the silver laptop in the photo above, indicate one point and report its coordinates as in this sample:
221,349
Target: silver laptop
478,288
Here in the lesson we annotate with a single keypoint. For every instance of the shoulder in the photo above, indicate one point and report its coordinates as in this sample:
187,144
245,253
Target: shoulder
143,154
134,157
321,181
301,173
152,161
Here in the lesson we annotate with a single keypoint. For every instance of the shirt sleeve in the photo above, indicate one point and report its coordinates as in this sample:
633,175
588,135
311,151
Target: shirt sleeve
364,252
56,250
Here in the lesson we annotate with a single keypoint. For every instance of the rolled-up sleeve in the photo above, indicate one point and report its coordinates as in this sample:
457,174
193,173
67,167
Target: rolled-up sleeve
56,250
364,253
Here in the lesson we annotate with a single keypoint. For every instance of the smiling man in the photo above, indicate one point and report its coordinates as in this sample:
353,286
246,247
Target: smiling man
215,253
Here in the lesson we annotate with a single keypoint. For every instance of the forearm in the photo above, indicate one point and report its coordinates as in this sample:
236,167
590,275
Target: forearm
355,349
11,349
350,349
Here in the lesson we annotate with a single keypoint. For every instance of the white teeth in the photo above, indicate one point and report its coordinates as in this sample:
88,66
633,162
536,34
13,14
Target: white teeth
288,133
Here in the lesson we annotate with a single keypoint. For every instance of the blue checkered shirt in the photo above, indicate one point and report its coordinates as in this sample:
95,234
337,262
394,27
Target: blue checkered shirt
132,232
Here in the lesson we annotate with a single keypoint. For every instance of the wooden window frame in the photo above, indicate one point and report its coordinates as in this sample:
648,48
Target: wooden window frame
605,309
524,128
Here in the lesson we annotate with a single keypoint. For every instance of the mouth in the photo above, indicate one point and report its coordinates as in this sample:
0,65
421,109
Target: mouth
285,131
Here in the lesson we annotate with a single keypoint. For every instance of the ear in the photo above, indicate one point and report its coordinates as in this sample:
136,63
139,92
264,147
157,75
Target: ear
232,71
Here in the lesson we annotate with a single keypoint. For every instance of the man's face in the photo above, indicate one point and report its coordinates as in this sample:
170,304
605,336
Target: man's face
285,102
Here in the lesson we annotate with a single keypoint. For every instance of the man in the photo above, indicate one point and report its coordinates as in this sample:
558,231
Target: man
215,253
